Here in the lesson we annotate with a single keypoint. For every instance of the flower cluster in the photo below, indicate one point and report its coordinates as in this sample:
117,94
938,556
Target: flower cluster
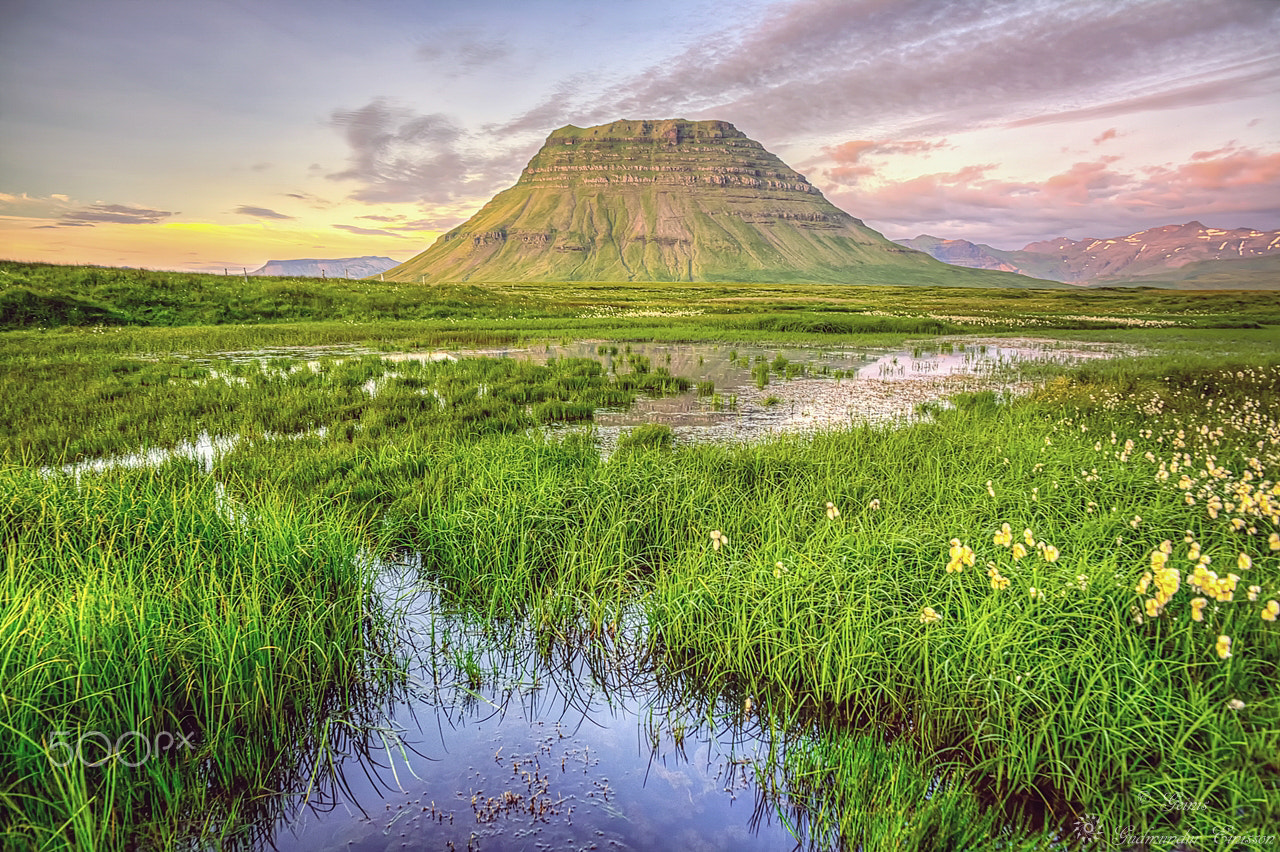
999,582
959,556
718,539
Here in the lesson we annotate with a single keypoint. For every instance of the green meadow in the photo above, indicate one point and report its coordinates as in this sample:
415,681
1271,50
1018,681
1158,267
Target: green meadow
1034,621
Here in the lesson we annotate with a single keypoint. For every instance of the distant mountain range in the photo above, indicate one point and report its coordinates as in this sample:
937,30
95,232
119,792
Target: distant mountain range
1154,253
342,267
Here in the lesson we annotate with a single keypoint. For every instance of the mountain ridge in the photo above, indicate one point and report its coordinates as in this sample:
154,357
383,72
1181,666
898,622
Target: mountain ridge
1154,252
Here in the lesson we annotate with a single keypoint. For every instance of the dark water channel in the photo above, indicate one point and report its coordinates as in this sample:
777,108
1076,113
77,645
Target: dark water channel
503,742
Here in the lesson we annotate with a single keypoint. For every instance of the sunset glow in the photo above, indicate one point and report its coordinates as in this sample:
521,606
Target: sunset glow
214,135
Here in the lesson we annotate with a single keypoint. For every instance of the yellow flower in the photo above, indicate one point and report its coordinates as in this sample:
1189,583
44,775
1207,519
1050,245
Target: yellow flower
832,511
1050,553
1254,591
1019,551
1143,583
958,556
718,538
1167,582
1152,607
1244,562
1166,547
1004,538
1036,594
1224,646
929,616
874,504
1197,608
1270,611
1235,704
1273,541
1158,559
1028,537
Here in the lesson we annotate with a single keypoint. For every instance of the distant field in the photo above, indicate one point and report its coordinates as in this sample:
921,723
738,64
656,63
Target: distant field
48,296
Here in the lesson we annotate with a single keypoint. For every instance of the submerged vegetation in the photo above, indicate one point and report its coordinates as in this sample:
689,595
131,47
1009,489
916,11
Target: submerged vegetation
1038,618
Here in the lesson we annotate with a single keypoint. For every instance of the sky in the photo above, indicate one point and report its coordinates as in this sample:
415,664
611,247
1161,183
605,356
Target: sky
212,134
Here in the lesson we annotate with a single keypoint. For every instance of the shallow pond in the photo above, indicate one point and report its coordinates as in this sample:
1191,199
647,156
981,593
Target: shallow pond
504,743
751,391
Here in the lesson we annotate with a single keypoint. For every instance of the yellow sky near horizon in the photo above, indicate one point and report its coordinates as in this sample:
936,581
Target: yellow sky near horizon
196,246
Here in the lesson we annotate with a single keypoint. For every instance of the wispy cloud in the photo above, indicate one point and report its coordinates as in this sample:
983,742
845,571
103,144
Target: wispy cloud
462,49
369,232
119,214
906,67
261,212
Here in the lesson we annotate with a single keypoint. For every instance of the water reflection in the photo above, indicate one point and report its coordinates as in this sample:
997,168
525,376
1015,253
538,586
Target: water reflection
747,392
513,739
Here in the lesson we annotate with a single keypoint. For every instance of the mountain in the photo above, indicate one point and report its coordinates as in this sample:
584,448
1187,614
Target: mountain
342,267
961,253
1154,252
1251,273
670,200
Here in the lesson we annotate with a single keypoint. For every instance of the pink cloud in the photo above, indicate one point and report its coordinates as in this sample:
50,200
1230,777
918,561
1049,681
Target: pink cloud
1093,198
850,157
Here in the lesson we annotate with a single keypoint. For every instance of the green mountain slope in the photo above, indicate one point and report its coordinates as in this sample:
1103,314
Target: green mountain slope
671,201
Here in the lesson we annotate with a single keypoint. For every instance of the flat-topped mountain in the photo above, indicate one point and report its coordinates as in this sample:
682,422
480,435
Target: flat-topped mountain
339,267
1153,252
669,200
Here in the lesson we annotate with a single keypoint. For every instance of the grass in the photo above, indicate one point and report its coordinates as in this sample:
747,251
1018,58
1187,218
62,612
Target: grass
920,708
1061,697
146,609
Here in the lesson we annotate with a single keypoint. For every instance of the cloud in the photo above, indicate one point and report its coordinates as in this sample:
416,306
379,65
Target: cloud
851,157
261,212
1243,83
1109,133
1234,185
403,223
461,50
903,67
60,211
371,232
313,201
34,206
118,214
398,155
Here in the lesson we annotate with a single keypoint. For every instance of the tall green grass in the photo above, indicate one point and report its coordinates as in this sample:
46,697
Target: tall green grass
148,603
